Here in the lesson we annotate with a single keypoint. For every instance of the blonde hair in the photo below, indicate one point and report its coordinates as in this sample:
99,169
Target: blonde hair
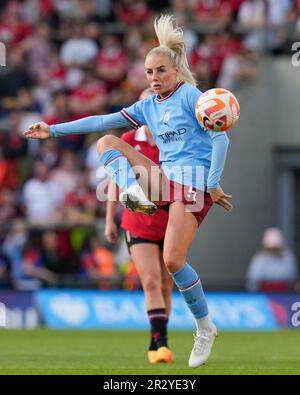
171,43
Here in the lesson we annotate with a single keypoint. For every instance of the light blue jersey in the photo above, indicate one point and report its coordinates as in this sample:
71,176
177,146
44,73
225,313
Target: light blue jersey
181,141
188,154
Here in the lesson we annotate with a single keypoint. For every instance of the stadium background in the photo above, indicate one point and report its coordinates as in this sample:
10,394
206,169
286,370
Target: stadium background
69,59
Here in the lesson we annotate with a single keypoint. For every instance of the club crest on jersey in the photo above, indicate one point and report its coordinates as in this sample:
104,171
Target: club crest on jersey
166,117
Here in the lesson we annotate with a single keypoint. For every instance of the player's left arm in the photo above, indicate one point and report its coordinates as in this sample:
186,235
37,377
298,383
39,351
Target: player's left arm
220,143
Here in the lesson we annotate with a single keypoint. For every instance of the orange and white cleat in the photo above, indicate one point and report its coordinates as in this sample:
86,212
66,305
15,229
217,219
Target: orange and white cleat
152,356
164,354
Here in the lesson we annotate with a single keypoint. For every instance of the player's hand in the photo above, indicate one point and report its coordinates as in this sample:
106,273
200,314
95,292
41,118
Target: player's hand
219,197
39,130
111,232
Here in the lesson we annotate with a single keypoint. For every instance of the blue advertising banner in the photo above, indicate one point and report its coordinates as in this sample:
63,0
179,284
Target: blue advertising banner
286,309
17,310
125,310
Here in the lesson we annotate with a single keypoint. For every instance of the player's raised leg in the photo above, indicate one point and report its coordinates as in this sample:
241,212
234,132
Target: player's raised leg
181,230
125,165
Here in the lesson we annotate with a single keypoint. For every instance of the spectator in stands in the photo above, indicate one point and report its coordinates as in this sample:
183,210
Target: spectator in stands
13,245
13,78
213,14
130,12
78,50
61,112
274,268
41,261
38,49
4,271
278,15
8,205
13,147
111,61
66,174
252,14
238,68
98,264
81,205
13,26
295,16
41,196
25,101
252,20
136,78
211,52
49,153
90,97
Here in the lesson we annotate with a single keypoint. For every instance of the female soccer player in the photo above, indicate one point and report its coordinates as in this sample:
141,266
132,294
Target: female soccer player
145,238
191,161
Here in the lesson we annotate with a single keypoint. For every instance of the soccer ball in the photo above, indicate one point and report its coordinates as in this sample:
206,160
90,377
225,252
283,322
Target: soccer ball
217,110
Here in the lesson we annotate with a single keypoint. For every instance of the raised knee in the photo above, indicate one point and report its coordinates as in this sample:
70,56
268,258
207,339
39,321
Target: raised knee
106,142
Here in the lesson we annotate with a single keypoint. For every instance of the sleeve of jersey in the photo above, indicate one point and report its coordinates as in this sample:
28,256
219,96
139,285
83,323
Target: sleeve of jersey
96,123
134,114
220,143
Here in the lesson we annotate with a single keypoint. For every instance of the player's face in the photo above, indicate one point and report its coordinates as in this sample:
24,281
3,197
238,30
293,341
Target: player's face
162,75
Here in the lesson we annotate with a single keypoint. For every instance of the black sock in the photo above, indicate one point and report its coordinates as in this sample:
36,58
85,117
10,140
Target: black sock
158,320
152,346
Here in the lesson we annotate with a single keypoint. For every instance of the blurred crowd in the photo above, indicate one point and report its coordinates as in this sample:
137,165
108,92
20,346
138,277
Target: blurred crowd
66,59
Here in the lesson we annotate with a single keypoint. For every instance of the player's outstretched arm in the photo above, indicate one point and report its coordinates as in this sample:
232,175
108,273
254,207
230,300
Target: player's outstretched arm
39,130
220,143
94,123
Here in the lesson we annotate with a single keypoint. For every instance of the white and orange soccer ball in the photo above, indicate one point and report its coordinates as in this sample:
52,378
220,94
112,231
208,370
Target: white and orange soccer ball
217,110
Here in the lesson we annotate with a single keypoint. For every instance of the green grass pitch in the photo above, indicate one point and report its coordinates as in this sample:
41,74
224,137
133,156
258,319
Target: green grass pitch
101,352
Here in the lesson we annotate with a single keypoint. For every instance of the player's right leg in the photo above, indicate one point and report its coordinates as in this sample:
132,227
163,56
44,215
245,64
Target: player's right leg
135,174
180,233
146,257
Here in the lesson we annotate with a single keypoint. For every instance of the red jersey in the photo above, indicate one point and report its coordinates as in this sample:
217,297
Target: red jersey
138,224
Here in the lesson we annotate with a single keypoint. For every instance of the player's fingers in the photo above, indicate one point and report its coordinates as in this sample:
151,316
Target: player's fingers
224,203
227,196
35,136
37,125
228,206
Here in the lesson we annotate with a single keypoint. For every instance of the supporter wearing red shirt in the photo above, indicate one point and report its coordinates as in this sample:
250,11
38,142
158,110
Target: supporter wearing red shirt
111,62
130,12
217,12
89,98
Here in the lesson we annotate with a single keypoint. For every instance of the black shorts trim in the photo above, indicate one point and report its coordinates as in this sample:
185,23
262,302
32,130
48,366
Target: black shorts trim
132,240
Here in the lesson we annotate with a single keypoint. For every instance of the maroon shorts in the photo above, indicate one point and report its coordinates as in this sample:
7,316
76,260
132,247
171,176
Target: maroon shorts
196,202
